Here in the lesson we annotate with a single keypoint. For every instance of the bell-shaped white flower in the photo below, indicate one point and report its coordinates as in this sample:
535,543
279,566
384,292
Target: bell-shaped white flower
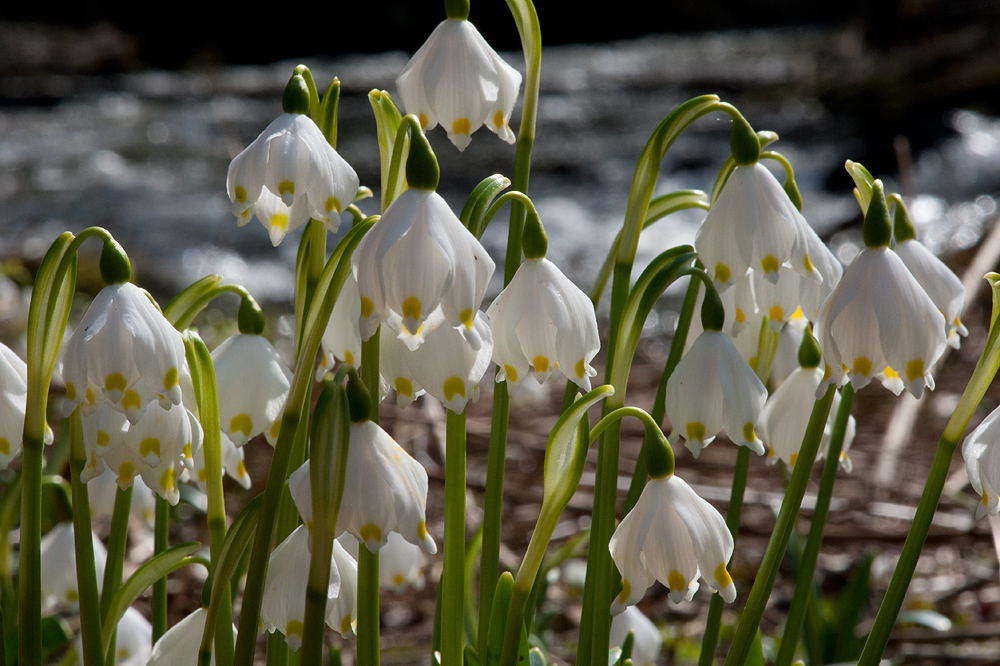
298,168
283,605
133,640
13,398
456,79
103,489
880,318
752,224
58,566
385,490
181,644
125,351
543,320
342,338
400,563
647,640
422,265
674,536
941,284
713,388
981,452
232,464
253,383
394,372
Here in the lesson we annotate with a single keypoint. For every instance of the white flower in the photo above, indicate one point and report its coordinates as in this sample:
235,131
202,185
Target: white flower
395,373
342,338
288,174
58,566
232,464
457,80
385,490
647,640
879,320
941,284
125,351
786,414
713,388
752,224
13,400
421,264
543,320
283,605
400,563
133,640
982,462
182,642
673,536
102,490
253,383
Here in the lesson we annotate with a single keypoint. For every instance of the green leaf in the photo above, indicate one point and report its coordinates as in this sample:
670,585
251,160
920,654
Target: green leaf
498,618
470,658
55,633
144,577
387,120
863,181
185,306
474,213
756,656
327,119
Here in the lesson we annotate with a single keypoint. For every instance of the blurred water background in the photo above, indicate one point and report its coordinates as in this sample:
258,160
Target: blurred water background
92,134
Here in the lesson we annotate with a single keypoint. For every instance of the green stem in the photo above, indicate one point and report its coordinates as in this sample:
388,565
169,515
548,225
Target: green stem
117,542
86,573
807,562
161,540
489,567
452,579
368,607
749,622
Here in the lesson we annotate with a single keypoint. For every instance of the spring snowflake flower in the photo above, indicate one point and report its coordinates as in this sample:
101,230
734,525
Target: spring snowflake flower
182,642
232,464
713,388
457,80
647,640
422,265
385,490
283,605
289,174
58,565
13,400
543,320
941,284
880,321
253,383
125,352
982,462
342,338
400,563
133,640
675,537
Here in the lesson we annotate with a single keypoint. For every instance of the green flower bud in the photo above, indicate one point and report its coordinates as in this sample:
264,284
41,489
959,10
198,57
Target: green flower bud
358,398
115,266
809,354
534,241
743,142
251,317
295,99
877,229
422,171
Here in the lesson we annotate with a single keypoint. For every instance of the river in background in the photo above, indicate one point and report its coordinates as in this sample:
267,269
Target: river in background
146,154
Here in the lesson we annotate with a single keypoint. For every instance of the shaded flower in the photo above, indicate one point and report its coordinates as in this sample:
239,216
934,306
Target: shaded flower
253,383
543,320
232,464
713,388
941,284
456,79
289,174
342,338
182,642
982,462
400,563
674,536
647,640
133,639
422,265
13,400
58,566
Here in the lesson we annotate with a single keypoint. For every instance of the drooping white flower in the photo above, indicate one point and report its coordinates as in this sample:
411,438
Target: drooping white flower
941,284
125,351
674,536
879,317
102,490
232,464
713,388
400,563
13,400
395,373
283,605
342,338
182,642
752,224
422,265
253,383
292,164
58,566
385,490
456,79
133,640
543,320
981,452
647,640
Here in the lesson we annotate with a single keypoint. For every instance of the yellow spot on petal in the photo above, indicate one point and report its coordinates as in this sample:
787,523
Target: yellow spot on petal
93,460
125,472
367,307
827,371
753,363
348,357
541,364
167,480
740,315
275,429
461,126
89,396
696,431
286,186
422,530
511,372
102,438
345,623
130,400
241,469
466,318
722,576
792,458
748,433
332,204
115,381
808,264
498,119
4,446
411,308
986,499
914,369
776,313
769,263
370,532
581,368
890,373
404,386
149,445
675,581
72,595
722,273
625,593
70,391
241,423
279,220
170,379
294,628
398,580
797,314
770,452
187,450
241,194
202,475
862,366
423,120
453,387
